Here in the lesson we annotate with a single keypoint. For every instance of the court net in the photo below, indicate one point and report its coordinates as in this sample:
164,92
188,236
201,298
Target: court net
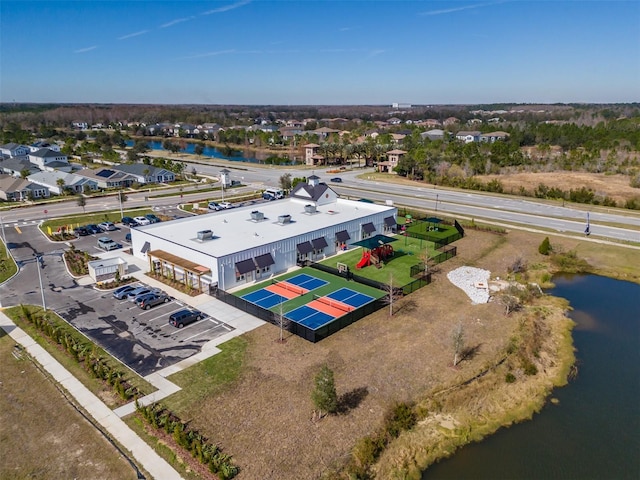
334,303
289,286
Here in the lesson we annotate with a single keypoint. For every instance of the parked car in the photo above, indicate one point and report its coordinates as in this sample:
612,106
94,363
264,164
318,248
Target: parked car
152,218
129,222
225,205
268,196
214,206
120,293
151,300
127,237
93,228
81,231
107,226
185,317
142,220
108,244
133,294
336,180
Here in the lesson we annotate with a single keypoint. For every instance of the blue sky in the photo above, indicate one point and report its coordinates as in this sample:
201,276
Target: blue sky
319,52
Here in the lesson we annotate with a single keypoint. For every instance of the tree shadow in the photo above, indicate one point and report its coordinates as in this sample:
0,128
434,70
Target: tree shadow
350,400
407,305
470,352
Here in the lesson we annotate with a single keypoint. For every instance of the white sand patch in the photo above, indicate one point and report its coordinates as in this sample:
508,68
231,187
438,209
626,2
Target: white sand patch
473,282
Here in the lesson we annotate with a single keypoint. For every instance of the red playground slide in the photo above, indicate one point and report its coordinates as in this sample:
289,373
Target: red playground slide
365,260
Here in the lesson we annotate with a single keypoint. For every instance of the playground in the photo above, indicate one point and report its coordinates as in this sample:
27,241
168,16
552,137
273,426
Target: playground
310,297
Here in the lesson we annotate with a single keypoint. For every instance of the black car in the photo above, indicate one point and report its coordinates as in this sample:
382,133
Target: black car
81,231
185,317
151,300
336,180
129,222
152,218
93,228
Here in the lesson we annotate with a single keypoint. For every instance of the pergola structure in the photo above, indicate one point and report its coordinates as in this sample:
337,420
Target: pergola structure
168,263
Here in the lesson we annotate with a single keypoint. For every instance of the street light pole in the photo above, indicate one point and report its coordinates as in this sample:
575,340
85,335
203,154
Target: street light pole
39,266
120,198
4,237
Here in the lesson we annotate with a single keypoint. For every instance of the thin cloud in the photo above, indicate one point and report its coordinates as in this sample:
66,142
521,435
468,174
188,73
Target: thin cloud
375,53
444,11
84,50
135,34
233,6
176,21
209,54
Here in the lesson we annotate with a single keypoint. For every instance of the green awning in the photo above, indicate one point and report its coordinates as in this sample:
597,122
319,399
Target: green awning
374,242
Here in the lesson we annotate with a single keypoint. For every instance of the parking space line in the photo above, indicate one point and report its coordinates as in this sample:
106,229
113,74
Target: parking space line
198,334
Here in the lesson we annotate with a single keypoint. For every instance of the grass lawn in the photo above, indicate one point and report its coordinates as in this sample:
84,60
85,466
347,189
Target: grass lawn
407,252
8,267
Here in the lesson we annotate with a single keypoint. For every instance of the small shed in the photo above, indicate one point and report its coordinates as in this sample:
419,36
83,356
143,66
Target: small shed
105,269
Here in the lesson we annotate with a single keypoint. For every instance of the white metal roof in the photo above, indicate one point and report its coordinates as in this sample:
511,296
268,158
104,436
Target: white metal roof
234,230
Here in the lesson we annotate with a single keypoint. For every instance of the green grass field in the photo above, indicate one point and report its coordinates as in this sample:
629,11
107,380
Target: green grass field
334,283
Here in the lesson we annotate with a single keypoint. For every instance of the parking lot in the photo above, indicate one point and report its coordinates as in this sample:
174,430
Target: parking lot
142,339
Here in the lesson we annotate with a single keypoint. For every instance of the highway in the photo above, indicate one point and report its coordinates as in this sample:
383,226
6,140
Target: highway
615,224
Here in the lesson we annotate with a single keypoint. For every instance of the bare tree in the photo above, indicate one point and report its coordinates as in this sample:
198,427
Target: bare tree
283,322
391,294
458,341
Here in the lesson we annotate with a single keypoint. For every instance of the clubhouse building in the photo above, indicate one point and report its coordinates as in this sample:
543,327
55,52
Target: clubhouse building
234,247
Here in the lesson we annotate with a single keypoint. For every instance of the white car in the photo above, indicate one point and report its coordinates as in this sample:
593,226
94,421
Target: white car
142,220
225,205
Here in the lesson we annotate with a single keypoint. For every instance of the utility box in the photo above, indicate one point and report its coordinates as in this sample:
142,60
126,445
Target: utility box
283,219
205,235
256,216
105,269
310,209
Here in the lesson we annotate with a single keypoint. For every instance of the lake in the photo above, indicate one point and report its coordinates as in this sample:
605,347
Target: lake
594,431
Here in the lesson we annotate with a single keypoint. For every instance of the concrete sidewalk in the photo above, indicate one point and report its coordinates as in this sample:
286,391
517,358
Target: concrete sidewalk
144,455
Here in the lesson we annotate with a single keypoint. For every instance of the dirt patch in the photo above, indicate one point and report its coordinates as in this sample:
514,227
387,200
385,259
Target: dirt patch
614,186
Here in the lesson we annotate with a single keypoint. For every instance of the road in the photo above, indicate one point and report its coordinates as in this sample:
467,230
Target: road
615,224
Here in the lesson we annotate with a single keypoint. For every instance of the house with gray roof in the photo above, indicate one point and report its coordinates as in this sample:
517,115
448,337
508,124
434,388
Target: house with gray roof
146,173
435,134
14,149
45,157
14,189
315,192
108,177
468,136
492,137
70,182
14,166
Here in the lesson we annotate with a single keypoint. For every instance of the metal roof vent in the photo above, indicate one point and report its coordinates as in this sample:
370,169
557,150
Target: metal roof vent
257,216
205,235
284,219
310,208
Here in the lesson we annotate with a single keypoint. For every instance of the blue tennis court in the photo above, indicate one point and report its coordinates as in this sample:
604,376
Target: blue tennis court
307,281
350,297
309,317
265,298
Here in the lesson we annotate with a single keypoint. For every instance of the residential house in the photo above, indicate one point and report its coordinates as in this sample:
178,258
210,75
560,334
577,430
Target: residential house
311,155
468,136
14,150
324,132
435,134
450,121
289,133
57,182
34,147
45,157
393,157
108,178
494,137
14,166
80,125
397,137
146,173
394,121
14,189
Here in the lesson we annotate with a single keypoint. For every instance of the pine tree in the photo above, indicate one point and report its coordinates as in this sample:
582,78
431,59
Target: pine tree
324,395
545,246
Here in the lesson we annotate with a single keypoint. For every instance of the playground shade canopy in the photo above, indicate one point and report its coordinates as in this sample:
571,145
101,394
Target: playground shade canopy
374,242
433,220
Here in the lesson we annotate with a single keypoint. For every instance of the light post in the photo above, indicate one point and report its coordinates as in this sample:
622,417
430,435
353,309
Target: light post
39,266
436,202
120,198
4,237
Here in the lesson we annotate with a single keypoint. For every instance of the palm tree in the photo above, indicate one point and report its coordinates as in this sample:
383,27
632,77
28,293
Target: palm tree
60,183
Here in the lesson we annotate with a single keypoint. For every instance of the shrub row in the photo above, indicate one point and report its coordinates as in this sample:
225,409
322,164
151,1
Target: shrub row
84,352
400,417
191,440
